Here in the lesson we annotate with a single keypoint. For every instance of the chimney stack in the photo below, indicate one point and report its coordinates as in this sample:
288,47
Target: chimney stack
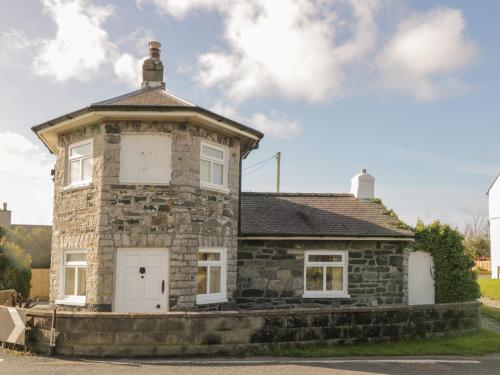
5,216
363,185
152,68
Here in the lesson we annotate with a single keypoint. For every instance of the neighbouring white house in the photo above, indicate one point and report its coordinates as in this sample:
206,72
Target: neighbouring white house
494,216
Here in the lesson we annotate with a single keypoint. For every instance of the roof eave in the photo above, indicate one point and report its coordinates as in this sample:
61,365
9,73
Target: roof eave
369,237
215,119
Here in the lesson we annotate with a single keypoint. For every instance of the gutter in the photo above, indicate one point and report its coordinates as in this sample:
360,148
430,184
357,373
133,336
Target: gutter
328,238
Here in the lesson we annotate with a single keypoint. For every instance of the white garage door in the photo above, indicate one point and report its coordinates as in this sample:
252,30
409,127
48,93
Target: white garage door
421,279
142,280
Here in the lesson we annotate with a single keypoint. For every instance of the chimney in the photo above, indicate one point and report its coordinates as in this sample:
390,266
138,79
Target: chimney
152,68
363,185
5,216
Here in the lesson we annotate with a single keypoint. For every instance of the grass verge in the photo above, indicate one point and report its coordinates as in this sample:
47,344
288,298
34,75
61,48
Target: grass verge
491,312
479,343
490,288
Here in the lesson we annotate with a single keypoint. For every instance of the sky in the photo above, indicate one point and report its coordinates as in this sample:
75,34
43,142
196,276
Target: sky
406,89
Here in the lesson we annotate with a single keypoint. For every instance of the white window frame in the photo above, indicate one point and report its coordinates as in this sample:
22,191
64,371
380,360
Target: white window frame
70,299
90,156
222,263
327,293
211,160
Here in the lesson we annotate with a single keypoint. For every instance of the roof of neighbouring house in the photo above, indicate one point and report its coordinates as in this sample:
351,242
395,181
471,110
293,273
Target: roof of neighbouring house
147,99
317,215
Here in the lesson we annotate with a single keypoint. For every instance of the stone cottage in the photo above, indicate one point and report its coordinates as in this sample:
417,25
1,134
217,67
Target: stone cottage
149,217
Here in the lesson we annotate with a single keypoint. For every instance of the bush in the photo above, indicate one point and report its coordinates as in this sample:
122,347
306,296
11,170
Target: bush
13,275
455,281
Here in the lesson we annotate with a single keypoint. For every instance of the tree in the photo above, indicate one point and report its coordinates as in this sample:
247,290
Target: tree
13,274
36,242
454,279
477,236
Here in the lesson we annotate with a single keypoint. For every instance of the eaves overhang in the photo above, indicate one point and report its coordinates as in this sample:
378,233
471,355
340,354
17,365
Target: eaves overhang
48,131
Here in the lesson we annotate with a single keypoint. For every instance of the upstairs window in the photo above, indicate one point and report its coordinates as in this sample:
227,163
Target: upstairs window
213,169
211,275
73,277
145,159
80,163
325,274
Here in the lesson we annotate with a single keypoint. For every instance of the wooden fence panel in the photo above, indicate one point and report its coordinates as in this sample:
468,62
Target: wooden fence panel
40,280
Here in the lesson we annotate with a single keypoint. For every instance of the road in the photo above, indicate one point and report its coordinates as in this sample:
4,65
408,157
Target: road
15,363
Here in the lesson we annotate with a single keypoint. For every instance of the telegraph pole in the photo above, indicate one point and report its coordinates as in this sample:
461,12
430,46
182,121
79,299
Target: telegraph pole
278,167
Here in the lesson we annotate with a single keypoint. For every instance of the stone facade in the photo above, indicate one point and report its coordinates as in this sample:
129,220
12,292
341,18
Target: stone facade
271,273
244,332
181,216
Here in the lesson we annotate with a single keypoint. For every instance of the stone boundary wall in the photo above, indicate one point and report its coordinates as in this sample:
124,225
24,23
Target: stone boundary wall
238,332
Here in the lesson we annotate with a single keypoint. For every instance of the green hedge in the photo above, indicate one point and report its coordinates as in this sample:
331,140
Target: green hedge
12,274
454,279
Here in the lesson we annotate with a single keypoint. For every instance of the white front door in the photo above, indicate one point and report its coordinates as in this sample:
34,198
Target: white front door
141,280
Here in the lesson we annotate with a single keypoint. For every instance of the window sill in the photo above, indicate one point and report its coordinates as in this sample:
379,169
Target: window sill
219,189
81,302
207,299
325,295
78,187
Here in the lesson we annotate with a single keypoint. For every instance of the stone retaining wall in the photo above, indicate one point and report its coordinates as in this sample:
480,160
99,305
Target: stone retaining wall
238,332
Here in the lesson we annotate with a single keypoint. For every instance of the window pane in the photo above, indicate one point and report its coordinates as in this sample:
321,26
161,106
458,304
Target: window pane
202,280
325,258
205,172
215,273
334,278
87,169
81,150
69,281
75,257
208,256
212,152
82,281
74,171
218,172
314,278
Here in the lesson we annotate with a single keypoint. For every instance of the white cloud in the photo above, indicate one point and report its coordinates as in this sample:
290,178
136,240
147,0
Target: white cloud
423,53
25,179
80,45
128,69
14,45
284,46
275,125
179,8
312,49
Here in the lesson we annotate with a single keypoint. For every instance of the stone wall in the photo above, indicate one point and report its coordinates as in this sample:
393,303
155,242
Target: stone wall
271,273
237,333
181,216
76,211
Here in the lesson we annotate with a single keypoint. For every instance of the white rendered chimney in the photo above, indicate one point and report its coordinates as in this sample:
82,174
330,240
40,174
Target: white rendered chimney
363,185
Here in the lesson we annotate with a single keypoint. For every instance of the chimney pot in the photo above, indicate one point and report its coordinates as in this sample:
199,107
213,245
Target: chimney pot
152,68
4,205
363,185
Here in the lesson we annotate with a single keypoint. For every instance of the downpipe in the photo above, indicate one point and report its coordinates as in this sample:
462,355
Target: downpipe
52,345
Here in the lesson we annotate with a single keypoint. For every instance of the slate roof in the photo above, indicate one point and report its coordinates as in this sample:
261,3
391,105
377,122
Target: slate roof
304,214
146,97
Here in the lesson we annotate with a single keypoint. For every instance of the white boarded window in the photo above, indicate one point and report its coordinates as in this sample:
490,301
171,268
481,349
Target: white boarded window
211,275
145,158
80,163
325,274
213,166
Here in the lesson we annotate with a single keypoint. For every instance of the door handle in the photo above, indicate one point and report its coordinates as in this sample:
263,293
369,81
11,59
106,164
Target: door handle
163,287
